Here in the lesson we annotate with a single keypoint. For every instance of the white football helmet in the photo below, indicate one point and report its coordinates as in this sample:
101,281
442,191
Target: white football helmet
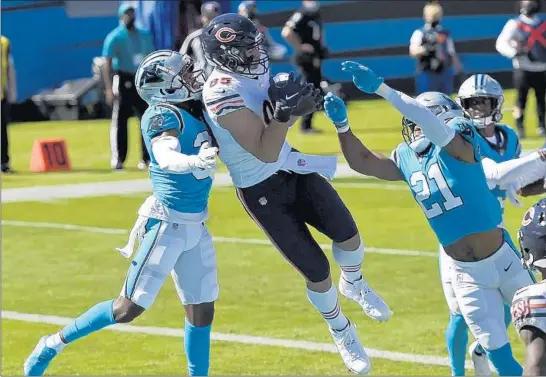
168,76
481,96
442,106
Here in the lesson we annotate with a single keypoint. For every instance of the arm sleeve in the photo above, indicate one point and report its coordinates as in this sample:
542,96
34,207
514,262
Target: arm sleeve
416,38
294,21
523,170
166,150
108,47
451,47
149,43
503,45
433,128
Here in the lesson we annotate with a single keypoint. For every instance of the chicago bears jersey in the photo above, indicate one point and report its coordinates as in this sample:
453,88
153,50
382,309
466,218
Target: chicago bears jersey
185,193
509,149
529,306
453,195
226,92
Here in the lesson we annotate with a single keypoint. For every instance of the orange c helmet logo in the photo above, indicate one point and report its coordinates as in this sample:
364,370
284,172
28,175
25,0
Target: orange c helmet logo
528,218
226,35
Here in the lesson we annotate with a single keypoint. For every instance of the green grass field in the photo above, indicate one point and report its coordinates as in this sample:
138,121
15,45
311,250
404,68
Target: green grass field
62,272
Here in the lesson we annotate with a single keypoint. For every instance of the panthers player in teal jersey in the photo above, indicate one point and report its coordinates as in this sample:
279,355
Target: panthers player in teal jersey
441,164
482,98
172,236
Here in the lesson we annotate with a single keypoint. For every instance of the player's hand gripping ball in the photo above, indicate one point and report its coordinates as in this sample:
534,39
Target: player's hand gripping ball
284,93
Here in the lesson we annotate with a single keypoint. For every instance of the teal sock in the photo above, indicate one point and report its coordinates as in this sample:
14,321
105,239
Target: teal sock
96,318
457,340
197,346
504,362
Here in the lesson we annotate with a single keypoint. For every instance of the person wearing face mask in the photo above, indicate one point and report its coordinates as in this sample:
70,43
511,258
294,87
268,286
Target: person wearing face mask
124,48
304,32
434,50
523,39
249,10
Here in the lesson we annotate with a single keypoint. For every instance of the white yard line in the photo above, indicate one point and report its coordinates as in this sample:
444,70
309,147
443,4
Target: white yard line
134,186
250,241
94,189
244,339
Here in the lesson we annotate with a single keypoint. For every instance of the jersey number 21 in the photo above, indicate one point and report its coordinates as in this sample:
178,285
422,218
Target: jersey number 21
434,173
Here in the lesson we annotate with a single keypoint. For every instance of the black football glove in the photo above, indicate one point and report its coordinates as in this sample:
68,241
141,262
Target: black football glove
310,101
284,93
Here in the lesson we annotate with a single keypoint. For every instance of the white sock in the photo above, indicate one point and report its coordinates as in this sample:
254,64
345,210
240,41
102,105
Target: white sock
328,306
54,341
349,261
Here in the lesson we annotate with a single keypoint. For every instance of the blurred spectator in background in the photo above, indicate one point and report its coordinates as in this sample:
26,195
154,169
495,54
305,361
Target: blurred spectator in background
304,32
8,96
124,48
192,44
437,61
164,24
523,39
190,19
249,10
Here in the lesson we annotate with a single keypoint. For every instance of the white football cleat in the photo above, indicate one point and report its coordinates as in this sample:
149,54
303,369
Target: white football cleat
480,360
361,292
353,354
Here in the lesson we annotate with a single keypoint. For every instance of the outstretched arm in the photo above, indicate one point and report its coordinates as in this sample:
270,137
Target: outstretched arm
358,156
522,171
439,133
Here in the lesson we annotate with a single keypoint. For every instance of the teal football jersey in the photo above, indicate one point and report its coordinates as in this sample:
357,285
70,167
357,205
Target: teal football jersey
186,193
510,149
453,195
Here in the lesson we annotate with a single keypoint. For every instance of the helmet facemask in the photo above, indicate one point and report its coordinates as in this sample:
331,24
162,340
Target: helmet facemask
189,79
245,57
483,110
414,137
170,77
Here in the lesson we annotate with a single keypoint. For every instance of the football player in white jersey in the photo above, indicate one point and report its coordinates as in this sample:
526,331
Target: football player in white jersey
529,303
281,189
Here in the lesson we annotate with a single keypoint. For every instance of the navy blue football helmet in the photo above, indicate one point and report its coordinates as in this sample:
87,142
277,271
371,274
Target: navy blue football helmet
532,236
233,43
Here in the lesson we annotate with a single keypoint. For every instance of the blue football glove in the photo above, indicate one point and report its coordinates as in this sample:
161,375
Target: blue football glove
336,111
364,78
